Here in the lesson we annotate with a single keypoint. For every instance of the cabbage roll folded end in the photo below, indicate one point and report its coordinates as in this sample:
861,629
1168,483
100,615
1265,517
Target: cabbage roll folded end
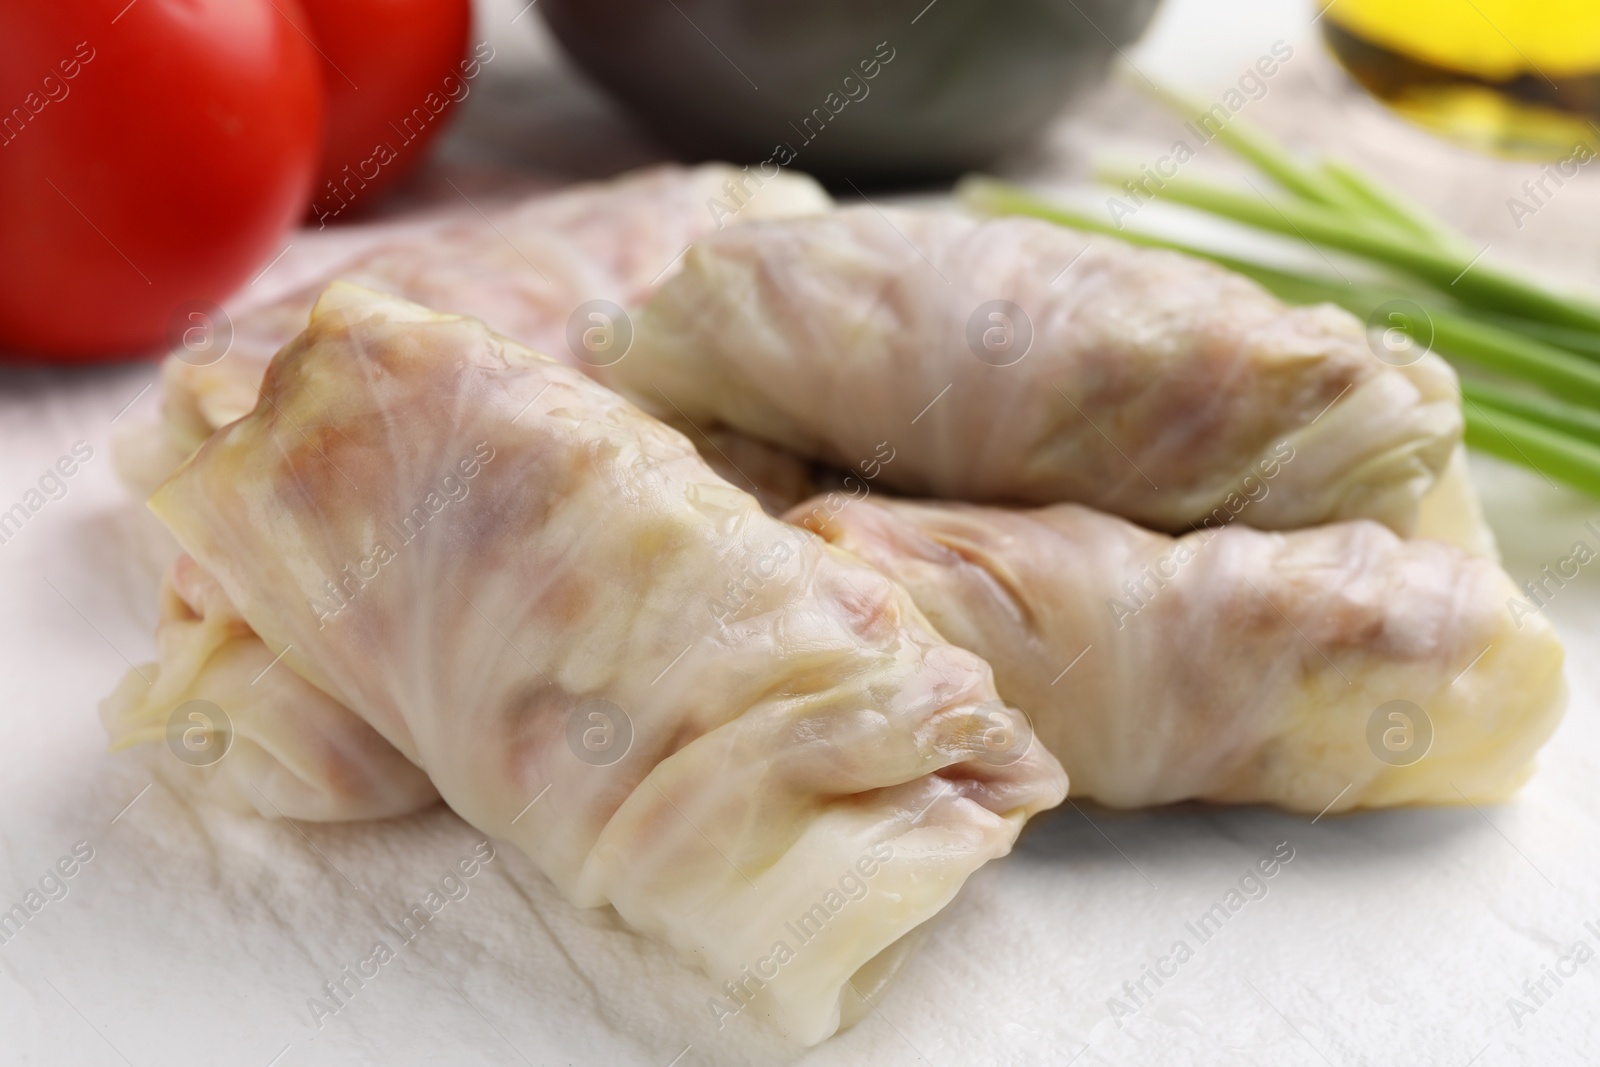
1013,362
246,732
1323,669
490,560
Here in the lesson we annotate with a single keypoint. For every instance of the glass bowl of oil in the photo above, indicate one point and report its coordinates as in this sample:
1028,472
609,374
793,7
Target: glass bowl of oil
1517,78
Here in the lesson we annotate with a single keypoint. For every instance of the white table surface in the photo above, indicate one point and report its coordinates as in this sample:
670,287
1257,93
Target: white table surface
195,937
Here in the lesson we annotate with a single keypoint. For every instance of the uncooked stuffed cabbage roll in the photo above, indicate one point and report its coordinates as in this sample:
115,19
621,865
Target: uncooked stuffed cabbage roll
292,750
523,273
750,743
1011,360
1336,666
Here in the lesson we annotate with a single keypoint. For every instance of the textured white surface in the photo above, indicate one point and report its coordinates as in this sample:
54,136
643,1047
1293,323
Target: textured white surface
196,937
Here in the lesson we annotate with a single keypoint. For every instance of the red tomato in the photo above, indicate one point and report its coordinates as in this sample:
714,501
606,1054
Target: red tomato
152,155
392,70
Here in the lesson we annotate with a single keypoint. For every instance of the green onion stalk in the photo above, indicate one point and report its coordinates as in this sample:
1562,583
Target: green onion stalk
1530,352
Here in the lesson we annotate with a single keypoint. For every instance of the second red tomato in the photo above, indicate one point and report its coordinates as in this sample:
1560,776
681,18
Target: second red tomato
394,71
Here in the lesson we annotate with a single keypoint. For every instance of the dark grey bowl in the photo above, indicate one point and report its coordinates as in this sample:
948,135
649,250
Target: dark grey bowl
953,84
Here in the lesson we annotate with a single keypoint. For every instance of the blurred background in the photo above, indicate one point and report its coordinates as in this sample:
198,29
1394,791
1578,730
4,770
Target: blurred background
1465,107
1456,103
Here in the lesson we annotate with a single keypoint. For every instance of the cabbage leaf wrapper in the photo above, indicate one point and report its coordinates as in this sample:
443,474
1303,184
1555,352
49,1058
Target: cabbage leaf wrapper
1013,361
1323,669
749,743
524,272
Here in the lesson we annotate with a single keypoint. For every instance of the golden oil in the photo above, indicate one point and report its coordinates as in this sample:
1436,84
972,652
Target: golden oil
1513,77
